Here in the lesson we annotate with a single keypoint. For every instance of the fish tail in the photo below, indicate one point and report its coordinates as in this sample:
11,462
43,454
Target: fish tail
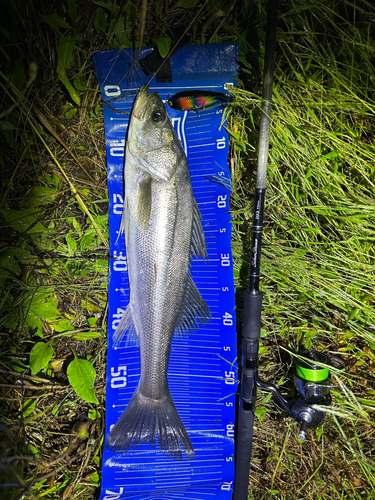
146,420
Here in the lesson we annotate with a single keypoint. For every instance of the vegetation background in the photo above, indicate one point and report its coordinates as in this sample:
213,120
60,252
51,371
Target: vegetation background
318,258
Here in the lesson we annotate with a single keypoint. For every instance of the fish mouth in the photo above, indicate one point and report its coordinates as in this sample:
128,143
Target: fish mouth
140,100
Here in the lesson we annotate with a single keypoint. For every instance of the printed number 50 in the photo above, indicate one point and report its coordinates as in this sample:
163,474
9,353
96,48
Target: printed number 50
118,379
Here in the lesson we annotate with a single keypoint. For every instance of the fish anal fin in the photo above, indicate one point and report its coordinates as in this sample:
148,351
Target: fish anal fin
126,325
198,239
194,308
122,223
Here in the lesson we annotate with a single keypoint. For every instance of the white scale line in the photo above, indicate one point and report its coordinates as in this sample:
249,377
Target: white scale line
198,480
199,175
201,119
195,127
191,140
187,472
161,463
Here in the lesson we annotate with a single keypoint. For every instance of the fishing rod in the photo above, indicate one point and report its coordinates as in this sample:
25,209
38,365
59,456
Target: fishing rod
312,378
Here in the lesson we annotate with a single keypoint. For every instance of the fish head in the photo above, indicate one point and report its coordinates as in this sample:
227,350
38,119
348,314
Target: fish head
152,141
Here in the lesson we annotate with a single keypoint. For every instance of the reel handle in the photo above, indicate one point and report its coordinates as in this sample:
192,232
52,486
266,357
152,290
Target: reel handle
312,382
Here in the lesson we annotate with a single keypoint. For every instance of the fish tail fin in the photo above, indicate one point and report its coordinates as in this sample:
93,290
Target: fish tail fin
146,420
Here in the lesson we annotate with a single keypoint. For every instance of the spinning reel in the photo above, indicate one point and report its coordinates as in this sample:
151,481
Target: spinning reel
312,383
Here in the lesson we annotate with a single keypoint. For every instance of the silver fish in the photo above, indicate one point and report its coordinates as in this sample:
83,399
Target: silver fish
163,232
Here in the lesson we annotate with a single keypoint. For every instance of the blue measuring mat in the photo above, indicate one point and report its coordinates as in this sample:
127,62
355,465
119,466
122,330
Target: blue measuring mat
202,371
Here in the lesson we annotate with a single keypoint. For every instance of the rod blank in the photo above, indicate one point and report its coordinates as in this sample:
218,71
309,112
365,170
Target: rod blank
253,297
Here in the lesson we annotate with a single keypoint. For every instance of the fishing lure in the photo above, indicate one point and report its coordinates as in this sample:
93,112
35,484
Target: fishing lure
197,100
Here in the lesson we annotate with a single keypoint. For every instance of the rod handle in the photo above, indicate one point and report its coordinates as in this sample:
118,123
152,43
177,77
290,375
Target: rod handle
252,317
244,443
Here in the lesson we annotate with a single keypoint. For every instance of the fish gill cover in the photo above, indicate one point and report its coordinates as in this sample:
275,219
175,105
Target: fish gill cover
202,372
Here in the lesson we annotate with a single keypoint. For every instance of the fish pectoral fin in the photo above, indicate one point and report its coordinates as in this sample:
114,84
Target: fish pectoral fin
198,240
144,202
126,325
194,307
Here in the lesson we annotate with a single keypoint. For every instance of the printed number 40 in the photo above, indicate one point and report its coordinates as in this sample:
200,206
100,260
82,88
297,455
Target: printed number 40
227,319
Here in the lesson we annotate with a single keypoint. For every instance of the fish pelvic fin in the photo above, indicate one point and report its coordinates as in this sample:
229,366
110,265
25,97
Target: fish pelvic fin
194,307
126,325
198,240
152,421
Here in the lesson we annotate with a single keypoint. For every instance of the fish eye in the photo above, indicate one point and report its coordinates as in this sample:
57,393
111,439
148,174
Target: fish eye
157,116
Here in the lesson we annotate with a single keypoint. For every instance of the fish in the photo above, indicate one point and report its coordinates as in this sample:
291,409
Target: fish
197,100
163,231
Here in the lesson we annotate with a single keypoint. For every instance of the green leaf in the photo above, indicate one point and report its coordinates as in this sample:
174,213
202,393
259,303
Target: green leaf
5,125
65,52
186,4
8,263
72,10
40,356
40,304
34,324
77,226
164,45
92,321
79,85
23,221
69,87
120,33
81,376
87,243
17,73
15,364
41,195
66,48
111,6
95,477
85,335
55,21
43,305
63,325
53,180
28,407
101,22
71,113
34,450
72,244
93,414
43,242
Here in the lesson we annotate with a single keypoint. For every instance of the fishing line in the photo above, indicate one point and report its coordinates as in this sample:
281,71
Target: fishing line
176,44
160,67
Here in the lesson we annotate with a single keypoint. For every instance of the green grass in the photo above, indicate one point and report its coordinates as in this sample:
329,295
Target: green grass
318,247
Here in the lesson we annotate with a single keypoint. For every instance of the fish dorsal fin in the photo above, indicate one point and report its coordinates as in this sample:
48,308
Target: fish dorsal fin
198,240
126,325
194,307
144,201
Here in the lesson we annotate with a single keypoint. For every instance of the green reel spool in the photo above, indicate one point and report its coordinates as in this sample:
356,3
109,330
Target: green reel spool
312,379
